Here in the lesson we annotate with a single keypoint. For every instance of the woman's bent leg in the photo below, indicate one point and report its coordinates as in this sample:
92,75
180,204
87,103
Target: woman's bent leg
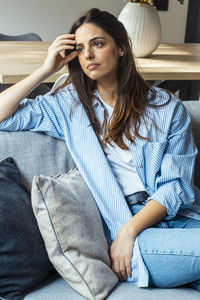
172,256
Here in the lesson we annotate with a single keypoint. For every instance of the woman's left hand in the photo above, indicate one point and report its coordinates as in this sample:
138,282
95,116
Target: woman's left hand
121,252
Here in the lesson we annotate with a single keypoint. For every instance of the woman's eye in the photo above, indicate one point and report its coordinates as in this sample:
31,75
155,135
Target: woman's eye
98,44
79,50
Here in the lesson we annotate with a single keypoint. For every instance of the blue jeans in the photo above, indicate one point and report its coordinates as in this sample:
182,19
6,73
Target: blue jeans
171,251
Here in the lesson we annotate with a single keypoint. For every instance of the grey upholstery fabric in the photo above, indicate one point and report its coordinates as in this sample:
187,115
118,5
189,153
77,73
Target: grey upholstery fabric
58,289
71,227
35,154
193,107
23,37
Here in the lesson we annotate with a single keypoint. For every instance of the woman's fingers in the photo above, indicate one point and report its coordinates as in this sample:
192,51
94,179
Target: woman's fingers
63,43
123,269
116,269
63,40
55,59
57,50
60,46
119,267
65,36
71,56
128,266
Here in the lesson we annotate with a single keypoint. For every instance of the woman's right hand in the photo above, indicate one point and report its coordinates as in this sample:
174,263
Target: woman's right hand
54,60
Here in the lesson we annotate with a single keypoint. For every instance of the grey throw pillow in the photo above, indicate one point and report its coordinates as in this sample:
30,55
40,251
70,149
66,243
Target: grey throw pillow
71,226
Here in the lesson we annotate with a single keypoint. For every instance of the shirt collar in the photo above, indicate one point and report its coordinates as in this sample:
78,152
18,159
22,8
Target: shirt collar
96,103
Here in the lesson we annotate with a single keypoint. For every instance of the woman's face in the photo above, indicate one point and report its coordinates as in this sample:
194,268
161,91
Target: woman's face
97,53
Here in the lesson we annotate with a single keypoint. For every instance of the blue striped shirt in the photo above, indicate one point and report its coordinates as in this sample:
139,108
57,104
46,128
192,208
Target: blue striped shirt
165,163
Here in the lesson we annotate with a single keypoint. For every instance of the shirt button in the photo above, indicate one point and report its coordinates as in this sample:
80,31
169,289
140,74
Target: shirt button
140,166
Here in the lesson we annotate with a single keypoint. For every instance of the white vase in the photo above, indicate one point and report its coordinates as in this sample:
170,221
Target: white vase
143,25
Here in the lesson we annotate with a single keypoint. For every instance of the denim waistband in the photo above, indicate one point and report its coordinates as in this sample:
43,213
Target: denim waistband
136,198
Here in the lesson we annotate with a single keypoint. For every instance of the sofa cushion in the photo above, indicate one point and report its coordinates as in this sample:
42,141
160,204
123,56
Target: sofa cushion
58,289
24,261
35,154
72,229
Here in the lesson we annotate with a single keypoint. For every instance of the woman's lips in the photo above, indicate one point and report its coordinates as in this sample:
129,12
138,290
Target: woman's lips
93,66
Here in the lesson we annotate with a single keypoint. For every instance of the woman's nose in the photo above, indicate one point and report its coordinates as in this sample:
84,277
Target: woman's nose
89,53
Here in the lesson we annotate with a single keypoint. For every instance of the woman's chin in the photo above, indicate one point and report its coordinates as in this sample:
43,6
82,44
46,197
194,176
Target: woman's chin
93,76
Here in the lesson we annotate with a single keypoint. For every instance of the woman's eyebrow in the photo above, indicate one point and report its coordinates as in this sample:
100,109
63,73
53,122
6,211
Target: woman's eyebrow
93,39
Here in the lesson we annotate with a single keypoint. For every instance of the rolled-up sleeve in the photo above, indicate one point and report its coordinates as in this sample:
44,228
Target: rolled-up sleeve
174,187
41,114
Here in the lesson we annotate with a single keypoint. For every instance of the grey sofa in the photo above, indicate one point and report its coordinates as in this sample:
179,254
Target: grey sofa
37,153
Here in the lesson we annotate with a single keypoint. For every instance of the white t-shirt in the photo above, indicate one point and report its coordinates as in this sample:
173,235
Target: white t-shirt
121,162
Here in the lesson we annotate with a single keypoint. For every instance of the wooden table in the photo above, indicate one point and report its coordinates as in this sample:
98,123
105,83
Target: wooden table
19,59
168,62
172,62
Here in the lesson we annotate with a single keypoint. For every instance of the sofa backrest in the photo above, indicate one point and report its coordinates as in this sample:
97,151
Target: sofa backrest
193,107
35,154
38,153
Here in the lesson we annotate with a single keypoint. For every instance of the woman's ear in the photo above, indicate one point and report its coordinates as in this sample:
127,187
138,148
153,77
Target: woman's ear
121,51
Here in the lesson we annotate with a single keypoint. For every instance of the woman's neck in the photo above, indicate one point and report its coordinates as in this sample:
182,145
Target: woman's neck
106,91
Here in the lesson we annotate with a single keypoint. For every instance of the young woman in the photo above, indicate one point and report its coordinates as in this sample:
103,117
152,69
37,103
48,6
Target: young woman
132,144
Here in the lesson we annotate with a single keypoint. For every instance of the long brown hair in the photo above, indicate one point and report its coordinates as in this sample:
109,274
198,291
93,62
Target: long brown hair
131,92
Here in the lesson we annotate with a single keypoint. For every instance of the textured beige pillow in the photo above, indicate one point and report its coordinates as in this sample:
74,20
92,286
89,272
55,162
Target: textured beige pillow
72,229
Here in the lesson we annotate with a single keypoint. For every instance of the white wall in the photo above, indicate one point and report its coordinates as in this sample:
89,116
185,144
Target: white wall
50,18
173,22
